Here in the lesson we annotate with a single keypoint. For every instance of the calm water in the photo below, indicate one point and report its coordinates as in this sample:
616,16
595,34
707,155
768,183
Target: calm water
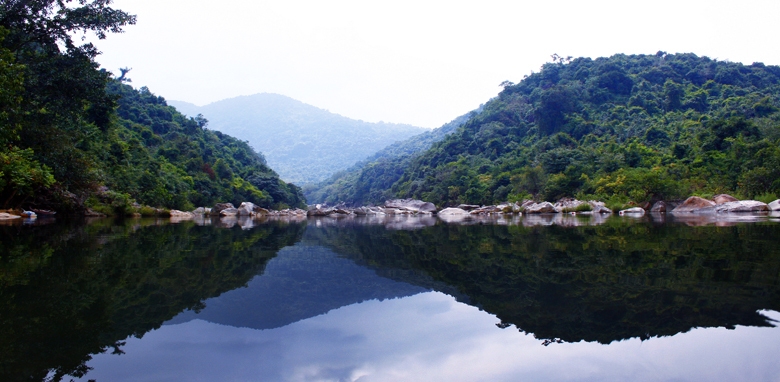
405,299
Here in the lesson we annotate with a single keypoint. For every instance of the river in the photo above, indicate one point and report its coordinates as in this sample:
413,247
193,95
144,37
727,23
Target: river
552,297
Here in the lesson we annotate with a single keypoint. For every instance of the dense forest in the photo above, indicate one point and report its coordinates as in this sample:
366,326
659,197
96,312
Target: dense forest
623,128
369,180
74,137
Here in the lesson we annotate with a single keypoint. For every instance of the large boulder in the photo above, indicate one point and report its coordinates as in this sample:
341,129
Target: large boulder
219,207
229,212
468,207
724,198
411,205
540,208
739,206
452,212
693,204
774,206
246,209
319,210
659,206
598,208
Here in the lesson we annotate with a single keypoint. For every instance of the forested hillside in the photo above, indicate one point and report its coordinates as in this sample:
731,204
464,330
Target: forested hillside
625,128
304,144
369,181
67,129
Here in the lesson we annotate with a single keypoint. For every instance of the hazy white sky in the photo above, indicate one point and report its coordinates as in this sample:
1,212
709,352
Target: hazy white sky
418,62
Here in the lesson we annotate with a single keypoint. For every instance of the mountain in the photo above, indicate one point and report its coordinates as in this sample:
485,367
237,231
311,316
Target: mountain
622,129
369,180
163,158
304,144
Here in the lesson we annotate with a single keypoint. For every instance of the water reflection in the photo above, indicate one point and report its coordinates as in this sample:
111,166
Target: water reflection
71,290
342,298
430,337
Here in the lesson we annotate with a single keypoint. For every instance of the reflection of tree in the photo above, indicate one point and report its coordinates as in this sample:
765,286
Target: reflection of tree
67,292
602,283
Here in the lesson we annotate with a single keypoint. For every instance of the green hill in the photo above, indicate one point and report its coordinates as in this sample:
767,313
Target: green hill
303,143
369,181
68,130
623,128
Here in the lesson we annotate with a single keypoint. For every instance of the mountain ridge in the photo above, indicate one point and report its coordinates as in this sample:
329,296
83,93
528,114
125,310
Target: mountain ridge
303,143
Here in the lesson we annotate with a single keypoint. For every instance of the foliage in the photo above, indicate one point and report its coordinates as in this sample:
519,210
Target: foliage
67,129
369,181
624,128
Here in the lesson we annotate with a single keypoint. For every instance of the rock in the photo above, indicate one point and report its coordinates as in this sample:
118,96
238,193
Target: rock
724,198
540,208
246,209
527,203
412,205
693,204
737,207
774,206
453,211
228,212
319,210
177,213
219,207
93,214
260,211
7,216
29,214
468,207
636,211
598,208
201,211
567,204
659,206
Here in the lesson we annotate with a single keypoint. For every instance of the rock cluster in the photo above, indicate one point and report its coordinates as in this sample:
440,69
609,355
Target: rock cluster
720,204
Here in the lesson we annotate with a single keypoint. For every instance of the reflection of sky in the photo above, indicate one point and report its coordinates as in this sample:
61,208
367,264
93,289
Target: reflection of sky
430,337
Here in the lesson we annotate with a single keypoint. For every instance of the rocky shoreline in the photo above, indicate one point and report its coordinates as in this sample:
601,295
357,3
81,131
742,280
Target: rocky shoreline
693,206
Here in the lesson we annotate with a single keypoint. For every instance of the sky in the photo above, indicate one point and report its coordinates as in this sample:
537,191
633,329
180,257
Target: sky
417,62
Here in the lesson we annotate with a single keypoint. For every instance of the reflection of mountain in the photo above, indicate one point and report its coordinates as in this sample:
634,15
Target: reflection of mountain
602,283
68,292
302,281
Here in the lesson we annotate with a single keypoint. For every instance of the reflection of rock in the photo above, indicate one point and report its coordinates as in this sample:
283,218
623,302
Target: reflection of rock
453,215
723,198
774,206
692,204
720,220
563,220
636,211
